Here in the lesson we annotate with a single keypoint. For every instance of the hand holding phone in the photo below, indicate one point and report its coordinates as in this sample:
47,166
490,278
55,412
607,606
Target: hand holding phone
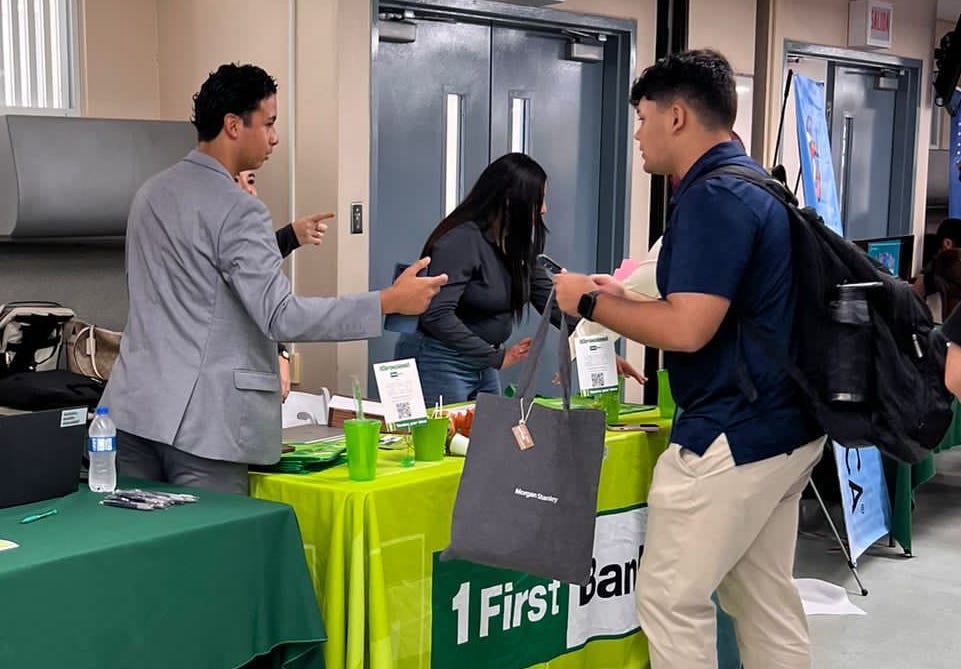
548,263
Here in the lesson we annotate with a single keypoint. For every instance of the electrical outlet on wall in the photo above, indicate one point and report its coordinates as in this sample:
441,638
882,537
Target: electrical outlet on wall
356,218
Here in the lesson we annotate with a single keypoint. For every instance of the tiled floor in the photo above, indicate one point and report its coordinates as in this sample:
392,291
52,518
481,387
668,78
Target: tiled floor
913,605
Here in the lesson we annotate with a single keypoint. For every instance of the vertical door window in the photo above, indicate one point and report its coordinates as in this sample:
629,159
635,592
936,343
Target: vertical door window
453,145
520,124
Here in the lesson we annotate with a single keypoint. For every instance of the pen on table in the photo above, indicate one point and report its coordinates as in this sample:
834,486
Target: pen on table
38,516
128,504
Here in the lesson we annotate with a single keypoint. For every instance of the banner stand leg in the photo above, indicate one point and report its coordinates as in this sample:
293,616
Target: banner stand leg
893,544
847,556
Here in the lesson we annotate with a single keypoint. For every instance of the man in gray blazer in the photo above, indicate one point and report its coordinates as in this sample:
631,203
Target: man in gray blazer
195,392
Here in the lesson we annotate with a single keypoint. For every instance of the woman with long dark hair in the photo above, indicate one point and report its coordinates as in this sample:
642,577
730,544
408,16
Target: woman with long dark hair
487,247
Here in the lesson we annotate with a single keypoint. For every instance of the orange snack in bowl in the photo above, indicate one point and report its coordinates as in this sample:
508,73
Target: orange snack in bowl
461,421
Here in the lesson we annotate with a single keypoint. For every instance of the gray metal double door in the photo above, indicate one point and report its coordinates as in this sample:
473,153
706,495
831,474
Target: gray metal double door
513,87
863,139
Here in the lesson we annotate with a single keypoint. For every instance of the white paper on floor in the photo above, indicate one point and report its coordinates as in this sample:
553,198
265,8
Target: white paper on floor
821,598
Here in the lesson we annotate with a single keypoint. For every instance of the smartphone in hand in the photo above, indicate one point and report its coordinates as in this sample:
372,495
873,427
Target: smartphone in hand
548,263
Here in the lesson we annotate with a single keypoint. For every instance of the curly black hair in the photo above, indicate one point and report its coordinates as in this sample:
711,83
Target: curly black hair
702,78
232,89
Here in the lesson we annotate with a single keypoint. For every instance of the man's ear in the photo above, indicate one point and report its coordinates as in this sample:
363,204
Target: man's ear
679,117
232,125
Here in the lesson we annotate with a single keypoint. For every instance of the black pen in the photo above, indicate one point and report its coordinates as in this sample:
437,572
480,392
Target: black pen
127,504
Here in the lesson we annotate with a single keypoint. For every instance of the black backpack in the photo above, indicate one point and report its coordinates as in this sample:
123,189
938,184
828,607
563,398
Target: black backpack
51,389
870,363
31,334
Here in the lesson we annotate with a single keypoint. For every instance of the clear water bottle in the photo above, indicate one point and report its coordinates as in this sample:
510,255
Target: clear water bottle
102,450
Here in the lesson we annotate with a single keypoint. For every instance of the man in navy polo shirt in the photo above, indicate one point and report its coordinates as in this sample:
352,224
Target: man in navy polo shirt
723,505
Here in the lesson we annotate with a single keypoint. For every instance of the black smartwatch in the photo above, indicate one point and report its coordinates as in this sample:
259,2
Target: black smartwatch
587,303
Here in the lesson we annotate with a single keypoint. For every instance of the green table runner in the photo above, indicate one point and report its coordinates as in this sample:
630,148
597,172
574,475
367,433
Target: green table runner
200,586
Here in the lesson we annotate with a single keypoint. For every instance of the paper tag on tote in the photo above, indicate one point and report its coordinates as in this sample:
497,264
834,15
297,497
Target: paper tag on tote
522,436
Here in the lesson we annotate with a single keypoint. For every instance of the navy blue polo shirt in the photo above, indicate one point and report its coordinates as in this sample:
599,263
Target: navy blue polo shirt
729,238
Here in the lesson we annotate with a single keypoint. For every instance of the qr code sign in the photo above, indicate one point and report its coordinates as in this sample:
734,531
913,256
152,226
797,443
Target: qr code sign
403,410
597,379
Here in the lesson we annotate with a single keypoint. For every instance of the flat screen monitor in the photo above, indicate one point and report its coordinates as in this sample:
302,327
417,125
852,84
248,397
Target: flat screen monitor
895,253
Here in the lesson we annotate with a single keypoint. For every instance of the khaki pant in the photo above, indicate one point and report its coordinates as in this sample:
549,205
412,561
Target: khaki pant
716,526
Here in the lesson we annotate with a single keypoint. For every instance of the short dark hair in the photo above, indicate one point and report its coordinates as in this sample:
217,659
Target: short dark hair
702,78
232,89
950,228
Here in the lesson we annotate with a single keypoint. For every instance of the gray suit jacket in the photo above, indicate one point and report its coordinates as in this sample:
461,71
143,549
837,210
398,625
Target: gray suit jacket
198,363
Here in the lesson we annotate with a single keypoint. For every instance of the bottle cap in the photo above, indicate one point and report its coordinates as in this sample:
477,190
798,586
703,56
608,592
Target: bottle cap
102,411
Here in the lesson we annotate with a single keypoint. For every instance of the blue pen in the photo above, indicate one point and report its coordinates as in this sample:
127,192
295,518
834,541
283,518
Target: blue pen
38,516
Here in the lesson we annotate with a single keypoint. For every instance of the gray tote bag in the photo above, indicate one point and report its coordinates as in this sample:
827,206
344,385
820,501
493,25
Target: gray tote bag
531,509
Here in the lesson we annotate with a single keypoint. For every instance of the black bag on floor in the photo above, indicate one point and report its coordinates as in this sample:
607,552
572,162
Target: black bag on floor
52,389
531,509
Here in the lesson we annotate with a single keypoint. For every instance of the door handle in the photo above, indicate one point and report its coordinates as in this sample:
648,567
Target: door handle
847,139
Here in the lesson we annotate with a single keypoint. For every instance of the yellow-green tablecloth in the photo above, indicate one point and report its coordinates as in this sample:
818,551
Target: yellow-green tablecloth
201,586
388,603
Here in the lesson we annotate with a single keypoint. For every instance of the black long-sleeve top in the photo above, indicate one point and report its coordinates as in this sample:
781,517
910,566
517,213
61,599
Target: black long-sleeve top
286,242
472,313
952,327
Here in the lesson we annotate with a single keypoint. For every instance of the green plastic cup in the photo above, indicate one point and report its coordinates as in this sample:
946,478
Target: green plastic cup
430,439
610,404
363,438
665,400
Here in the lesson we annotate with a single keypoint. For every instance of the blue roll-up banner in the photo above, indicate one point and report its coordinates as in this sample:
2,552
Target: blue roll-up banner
954,173
864,491
814,145
864,496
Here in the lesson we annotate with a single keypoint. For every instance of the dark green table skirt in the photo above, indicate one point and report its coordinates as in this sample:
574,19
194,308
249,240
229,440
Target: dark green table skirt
902,479
202,586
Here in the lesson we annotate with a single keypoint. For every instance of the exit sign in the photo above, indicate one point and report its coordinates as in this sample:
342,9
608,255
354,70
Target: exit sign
870,24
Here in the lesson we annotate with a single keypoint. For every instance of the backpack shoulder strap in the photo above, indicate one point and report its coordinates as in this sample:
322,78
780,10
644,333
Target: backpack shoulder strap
779,192
774,187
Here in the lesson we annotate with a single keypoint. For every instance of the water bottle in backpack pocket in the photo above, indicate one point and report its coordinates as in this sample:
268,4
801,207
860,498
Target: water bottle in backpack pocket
850,368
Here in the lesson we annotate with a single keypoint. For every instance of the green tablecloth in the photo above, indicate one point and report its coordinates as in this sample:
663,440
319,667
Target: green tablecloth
372,547
201,586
